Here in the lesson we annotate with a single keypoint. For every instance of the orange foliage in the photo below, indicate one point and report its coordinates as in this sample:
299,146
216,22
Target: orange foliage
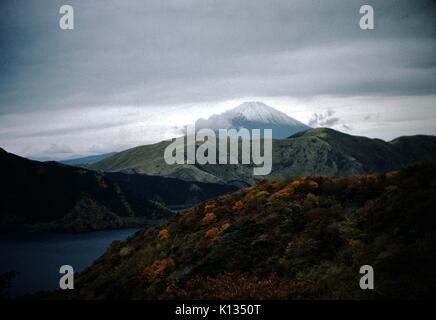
225,226
295,184
159,269
283,193
262,194
208,218
312,184
211,233
391,174
163,234
248,189
238,205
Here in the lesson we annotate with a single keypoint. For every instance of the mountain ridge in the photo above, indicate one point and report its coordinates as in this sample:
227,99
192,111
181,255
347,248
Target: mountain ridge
49,196
320,151
87,159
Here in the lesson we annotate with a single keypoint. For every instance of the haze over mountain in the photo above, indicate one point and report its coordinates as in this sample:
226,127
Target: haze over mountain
318,151
88,159
254,115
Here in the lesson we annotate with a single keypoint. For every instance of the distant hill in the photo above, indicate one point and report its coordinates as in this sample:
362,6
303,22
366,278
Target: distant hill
170,192
301,238
87,160
318,151
48,196
254,115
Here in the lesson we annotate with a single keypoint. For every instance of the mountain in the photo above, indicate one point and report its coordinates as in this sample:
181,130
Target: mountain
303,238
149,160
254,115
87,160
49,196
171,192
318,151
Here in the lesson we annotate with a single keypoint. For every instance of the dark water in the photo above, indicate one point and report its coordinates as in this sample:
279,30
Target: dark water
38,257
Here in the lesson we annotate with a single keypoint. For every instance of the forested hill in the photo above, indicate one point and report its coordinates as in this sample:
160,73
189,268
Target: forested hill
302,238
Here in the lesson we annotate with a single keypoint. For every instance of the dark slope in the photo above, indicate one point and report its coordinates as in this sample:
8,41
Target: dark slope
168,191
416,147
43,196
288,239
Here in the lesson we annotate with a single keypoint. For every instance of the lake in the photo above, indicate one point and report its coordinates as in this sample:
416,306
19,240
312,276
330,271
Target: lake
38,257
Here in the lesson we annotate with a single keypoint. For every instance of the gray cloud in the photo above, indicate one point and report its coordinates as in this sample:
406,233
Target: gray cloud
182,51
324,120
55,149
159,58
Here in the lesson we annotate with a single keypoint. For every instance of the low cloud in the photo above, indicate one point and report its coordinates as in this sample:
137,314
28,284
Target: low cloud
324,120
328,119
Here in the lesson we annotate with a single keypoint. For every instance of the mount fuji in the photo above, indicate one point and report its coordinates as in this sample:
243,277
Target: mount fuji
254,115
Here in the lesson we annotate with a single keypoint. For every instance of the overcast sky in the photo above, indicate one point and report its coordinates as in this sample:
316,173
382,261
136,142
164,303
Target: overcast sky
134,72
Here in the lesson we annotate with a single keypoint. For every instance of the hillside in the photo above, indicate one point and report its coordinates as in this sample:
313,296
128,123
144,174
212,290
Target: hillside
168,191
302,238
316,151
48,196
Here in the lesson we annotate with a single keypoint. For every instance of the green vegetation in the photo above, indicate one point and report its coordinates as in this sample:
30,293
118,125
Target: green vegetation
318,151
302,238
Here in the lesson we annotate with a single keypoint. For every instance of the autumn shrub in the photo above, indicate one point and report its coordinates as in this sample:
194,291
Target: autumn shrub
284,193
211,233
163,234
308,245
159,269
238,205
208,218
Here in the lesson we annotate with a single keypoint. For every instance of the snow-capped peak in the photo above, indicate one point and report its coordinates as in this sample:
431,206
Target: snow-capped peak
260,112
252,115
